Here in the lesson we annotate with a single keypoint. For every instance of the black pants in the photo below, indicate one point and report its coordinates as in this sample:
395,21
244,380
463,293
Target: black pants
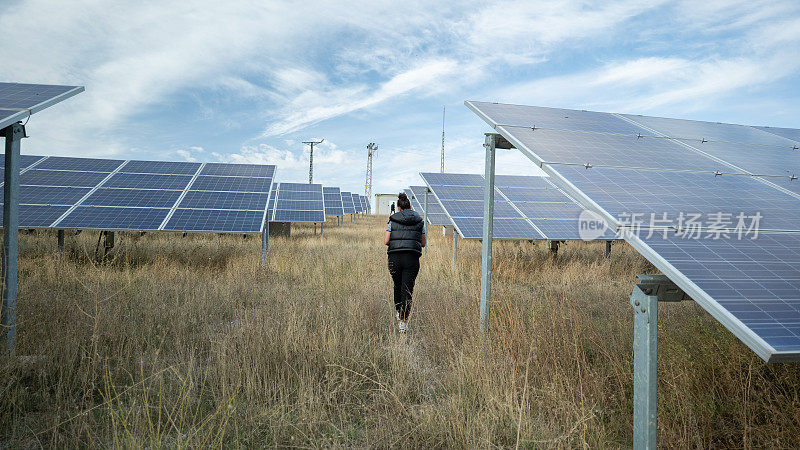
404,267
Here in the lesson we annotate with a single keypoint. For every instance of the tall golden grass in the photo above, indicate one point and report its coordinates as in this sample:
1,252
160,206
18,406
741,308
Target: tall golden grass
189,342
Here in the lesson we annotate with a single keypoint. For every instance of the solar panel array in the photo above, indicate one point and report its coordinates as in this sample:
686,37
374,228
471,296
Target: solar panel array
436,215
621,165
18,100
299,202
113,194
333,201
359,207
347,203
526,207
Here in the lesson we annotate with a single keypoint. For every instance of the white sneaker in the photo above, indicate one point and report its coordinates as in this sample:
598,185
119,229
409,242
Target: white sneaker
401,325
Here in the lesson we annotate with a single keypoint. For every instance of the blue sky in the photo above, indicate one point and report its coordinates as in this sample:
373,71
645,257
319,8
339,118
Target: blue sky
247,81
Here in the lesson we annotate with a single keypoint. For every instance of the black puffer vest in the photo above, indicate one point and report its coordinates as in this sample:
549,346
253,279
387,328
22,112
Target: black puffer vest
406,234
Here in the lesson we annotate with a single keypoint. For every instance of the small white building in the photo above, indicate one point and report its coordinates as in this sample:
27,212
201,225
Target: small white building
383,203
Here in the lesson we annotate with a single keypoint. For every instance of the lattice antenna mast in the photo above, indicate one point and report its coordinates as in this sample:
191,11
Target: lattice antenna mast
372,148
442,168
311,159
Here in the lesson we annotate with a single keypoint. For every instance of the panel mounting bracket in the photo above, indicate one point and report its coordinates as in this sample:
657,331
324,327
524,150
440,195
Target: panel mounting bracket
650,290
501,142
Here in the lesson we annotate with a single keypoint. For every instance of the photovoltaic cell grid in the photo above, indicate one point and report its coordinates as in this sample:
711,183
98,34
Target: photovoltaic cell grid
90,193
548,211
436,215
467,215
347,203
299,202
18,101
357,205
749,285
333,201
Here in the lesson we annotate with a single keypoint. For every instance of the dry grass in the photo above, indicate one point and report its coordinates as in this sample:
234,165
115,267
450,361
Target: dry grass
189,342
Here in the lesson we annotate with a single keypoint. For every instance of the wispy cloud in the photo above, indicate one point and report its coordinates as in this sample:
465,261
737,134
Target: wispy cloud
312,107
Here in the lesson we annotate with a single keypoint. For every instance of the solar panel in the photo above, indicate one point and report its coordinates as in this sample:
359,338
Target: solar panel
550,212
48,195
18,101
347,203
356,203
299,202
81,164
467,215
215,220
225,200
333,201
162,167
38,216
231,184
752,280
239,170
90,193
114,218
147,181
69,178
749,285
143,198
436,214
25,160
788,133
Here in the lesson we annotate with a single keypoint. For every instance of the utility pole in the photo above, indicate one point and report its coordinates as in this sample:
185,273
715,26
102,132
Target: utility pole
372,148
311,159
443,110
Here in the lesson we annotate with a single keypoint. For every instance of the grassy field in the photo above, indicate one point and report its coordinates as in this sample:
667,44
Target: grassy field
179,342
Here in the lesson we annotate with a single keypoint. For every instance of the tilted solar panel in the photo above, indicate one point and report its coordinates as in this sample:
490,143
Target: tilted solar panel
90,193
347,203
299,202
18,100
750,285
333,201
436,215
467,215
358,207
549,212
788,133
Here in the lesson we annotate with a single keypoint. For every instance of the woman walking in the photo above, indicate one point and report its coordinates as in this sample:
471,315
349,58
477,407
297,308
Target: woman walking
405,237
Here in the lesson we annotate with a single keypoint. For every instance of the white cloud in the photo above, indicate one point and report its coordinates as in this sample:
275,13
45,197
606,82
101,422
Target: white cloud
190,154
312,107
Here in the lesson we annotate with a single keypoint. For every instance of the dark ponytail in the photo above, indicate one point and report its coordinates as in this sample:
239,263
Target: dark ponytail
402,201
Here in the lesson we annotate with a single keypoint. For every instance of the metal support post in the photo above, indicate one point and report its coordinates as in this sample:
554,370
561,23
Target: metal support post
644,299
425,221
608,249
455,248
108,242
554,248
488,219
60,242
13,134
322,229
264,237
315,228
